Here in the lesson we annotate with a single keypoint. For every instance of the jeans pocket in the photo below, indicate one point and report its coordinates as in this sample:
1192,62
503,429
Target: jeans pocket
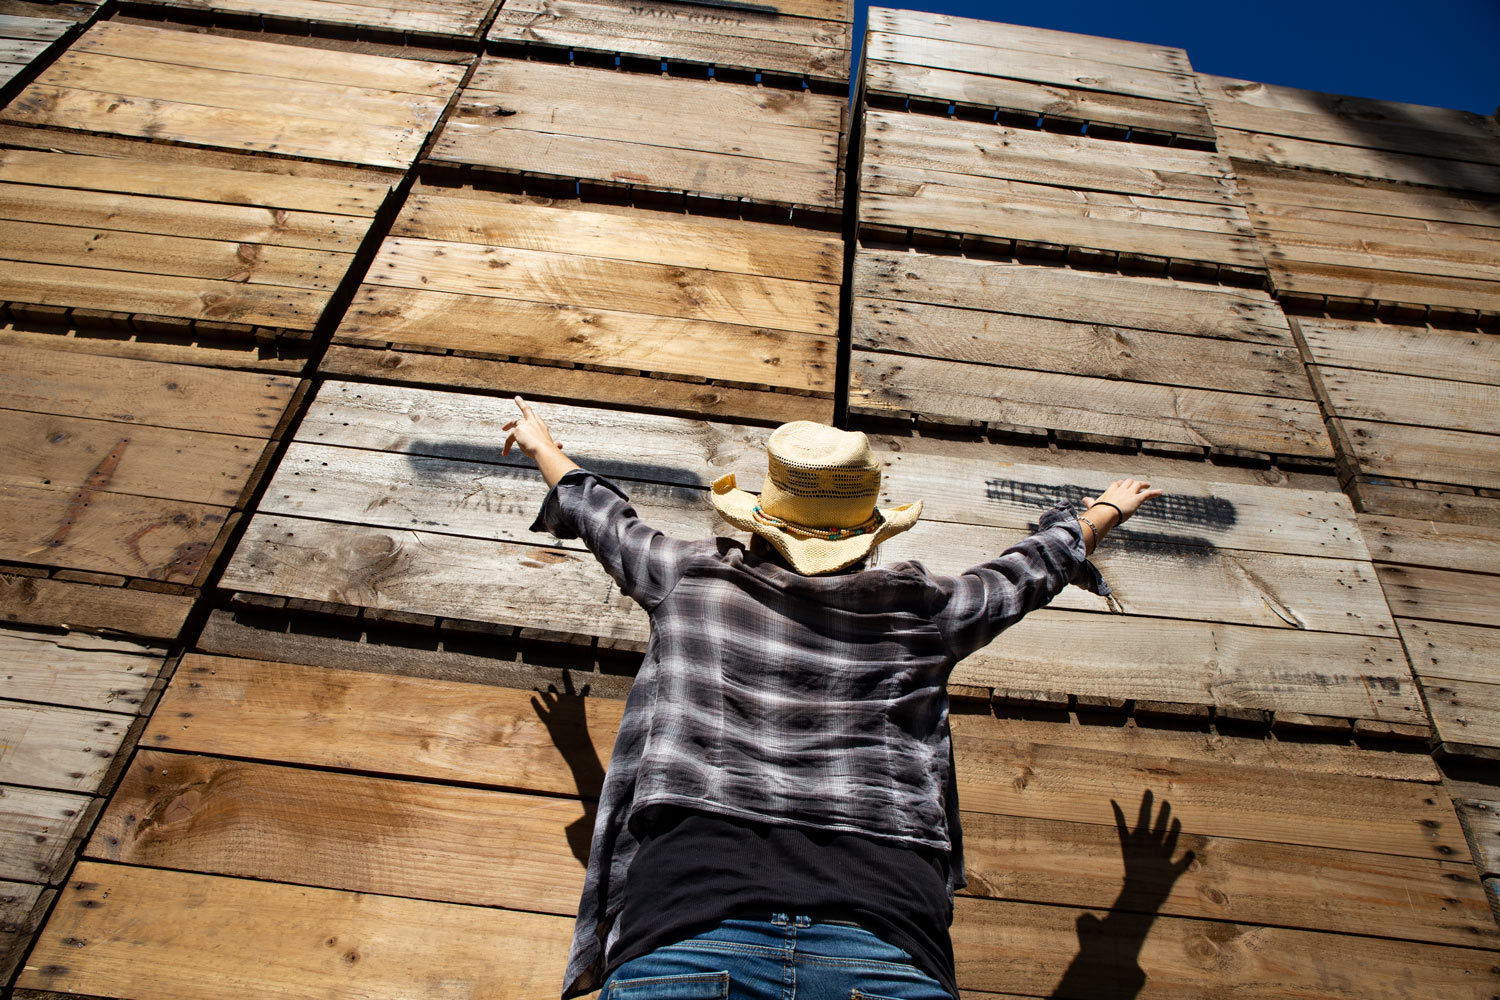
901,991
689,986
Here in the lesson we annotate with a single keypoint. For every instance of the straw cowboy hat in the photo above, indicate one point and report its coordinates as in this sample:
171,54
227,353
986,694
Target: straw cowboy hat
818,503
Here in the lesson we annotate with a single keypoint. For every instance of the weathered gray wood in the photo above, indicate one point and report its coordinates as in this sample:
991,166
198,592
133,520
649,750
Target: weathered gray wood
1140,303
1441,595
1024,38
36,28
1282,151
1006,397
1468,548
37,831
1447,651
1403,350
22,906
46,746
1407,399
1426,454
1464,713
79,670
1481,823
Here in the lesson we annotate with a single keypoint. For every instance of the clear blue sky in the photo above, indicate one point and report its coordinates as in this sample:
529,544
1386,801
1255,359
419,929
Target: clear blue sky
1439,52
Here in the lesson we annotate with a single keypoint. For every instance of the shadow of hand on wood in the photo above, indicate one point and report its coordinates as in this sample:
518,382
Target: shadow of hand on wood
565,716
1107,966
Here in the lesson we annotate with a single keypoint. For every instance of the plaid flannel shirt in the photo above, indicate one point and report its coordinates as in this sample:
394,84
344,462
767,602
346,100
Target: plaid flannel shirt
774,697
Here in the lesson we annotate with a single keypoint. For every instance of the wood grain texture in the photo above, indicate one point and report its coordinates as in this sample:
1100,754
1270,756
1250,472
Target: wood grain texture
22,906
762,145
1024,38
65,749
1482,824
1377,164
1446,651
280,940
1468,548
130,80
57,603
1441,595
37,831
772,41
417,17
1427,454
82,671
1404,350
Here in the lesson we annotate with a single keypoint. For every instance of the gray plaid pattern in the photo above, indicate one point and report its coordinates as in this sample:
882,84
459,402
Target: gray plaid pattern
780,698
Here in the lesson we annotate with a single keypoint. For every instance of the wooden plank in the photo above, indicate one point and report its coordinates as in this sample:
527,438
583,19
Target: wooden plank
1025,949
658,395
40,601
1464,713
1470,548
1482,824
1092,349
65,749
1041,781
415,18
102,674
146,931
291,62
1080,864
36,28
653,289
985,149
354,194
235,90
256,131
1429,454
146,393
88,528
164,295
1277,189
1407,399
22,906
1049,68
1137,411
437,842
141,254
380,724
1282,151
1404,350
1441,595
1351,121
37,831
734,246
586,335
20,52
285,358
1198,663
42,449
1130,301
1446,651
175,217
1441,256
898,80
1372,285
1024,38
745,38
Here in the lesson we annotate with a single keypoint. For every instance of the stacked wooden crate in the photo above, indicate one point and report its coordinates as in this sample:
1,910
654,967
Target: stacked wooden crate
24,39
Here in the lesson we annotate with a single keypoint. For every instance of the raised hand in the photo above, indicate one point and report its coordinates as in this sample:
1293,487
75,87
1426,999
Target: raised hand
1125,494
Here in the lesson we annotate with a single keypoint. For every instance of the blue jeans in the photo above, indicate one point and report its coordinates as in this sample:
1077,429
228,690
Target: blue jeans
784,958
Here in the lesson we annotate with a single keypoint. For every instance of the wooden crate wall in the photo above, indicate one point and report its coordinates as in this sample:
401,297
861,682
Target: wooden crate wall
23,39
721,146
122,480
1098,357
604,303
69,715
794,40
225,835
915,59
1367,205
246,94
1268,566
173,254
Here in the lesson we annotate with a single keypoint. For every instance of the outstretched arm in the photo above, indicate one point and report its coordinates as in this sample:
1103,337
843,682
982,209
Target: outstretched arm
529,433
1115,504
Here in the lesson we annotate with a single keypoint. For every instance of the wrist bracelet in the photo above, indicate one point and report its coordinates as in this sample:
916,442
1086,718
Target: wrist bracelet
1106,503
1092,525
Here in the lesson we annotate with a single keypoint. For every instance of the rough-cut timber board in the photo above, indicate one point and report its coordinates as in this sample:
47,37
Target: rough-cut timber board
79,670
1350,121
38,832
1415,403
22,39
126,79
959,177
417,18
1353,238
1439,580
146,932
633,131
395,498
1032,71
1377,164
22,906
771,40
131,469
919,317
140,239
588,292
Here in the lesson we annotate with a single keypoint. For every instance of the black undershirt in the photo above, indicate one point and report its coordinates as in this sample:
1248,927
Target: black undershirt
683,882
